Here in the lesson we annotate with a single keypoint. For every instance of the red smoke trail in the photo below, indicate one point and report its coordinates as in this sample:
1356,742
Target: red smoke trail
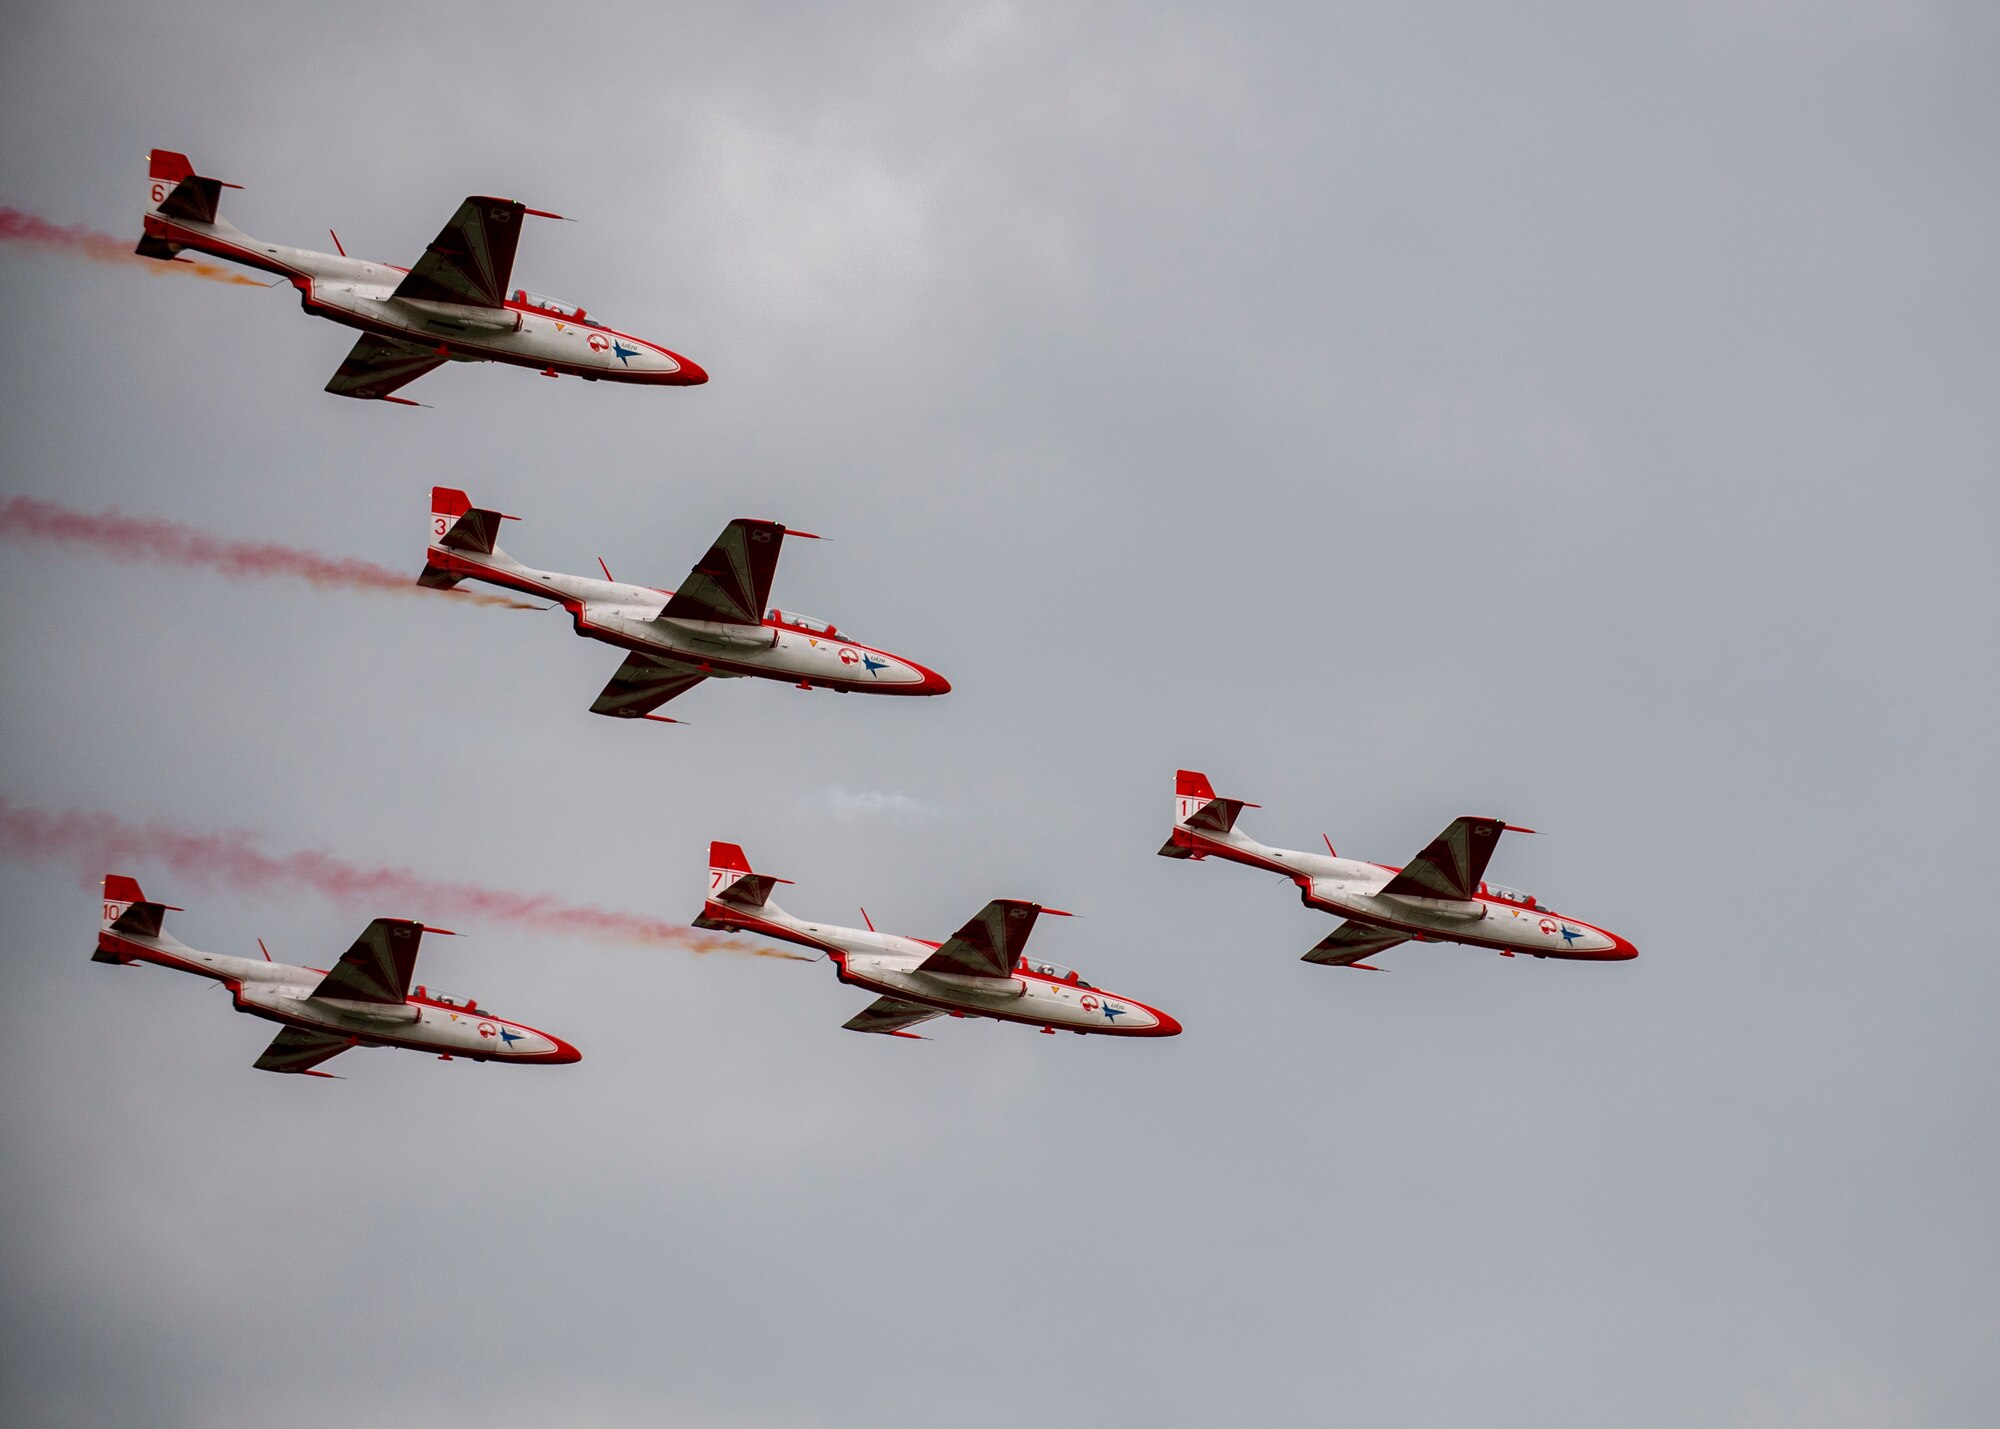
91,845
19,227
144,538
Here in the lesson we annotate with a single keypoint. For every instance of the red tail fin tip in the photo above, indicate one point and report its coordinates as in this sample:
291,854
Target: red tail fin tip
1193,785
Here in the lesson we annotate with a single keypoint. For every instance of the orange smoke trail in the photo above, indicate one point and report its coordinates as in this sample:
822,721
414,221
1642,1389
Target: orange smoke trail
170,543
19,227
91,845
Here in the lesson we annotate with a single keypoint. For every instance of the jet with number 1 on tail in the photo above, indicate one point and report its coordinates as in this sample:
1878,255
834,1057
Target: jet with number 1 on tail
455,305
982,970
1441,896
363,1000
714,627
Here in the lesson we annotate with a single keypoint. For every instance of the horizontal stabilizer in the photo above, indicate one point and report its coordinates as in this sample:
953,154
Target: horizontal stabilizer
1217,816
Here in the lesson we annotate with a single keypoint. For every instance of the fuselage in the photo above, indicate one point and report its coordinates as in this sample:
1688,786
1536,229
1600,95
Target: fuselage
788,648
1038,993
360,294
1496,918
283,993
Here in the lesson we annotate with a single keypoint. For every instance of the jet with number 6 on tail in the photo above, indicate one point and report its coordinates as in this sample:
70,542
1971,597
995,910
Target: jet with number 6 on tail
363,1000
453,306
713,627
982,970
1439,897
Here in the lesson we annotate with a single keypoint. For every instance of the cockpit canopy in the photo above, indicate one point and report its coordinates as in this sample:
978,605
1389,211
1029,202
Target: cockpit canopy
1508,895
795,621
1051,970
463,1004
554,306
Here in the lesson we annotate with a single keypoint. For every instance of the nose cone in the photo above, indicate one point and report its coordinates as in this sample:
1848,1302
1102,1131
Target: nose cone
564,1053
933,682
691,374
1621,950
1166,1024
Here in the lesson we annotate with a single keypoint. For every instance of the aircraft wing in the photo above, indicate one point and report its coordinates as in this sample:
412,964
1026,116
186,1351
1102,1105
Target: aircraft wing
471,259
1451,864
733,581
1351,942
377,366
890,1015
990,944
297,1050
378,967
644,683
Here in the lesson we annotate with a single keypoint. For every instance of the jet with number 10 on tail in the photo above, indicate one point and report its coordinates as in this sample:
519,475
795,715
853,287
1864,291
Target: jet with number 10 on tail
981,971
363,1000
713,627
453,306
1439,897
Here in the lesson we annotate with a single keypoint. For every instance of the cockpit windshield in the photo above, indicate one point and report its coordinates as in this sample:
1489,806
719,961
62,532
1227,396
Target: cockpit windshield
546,304
1052,970
803,622
1510,895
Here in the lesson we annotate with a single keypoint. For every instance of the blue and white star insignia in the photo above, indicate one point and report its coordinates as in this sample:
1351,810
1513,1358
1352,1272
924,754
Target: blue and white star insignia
871,664
507,1038
623,353
1570,935
1112,1012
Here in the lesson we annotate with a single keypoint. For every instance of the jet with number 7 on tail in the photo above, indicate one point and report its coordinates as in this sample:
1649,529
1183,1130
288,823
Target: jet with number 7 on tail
363,1000
982,970
713,627
1439,897
453,306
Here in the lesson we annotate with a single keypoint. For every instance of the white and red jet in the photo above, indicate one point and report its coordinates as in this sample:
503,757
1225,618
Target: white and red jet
364,1000
981,971
1440,897
713,627
453,306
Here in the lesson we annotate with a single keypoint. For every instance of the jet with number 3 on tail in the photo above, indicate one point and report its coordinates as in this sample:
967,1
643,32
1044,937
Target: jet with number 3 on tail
714,627
983,970
1439,897
363,1000
455,305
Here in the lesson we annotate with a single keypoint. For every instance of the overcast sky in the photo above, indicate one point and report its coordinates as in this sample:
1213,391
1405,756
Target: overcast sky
1580,414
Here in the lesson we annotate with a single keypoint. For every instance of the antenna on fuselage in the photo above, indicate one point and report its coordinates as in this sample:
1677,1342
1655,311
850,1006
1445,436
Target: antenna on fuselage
866,919
336,242
260,943
1330,854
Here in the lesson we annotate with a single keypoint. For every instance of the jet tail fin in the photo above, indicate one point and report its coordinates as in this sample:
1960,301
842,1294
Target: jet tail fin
457,525
1197,809
733,888
126,913
175,191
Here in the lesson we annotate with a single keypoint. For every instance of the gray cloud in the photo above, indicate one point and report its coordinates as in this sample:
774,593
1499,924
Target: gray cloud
1577,415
